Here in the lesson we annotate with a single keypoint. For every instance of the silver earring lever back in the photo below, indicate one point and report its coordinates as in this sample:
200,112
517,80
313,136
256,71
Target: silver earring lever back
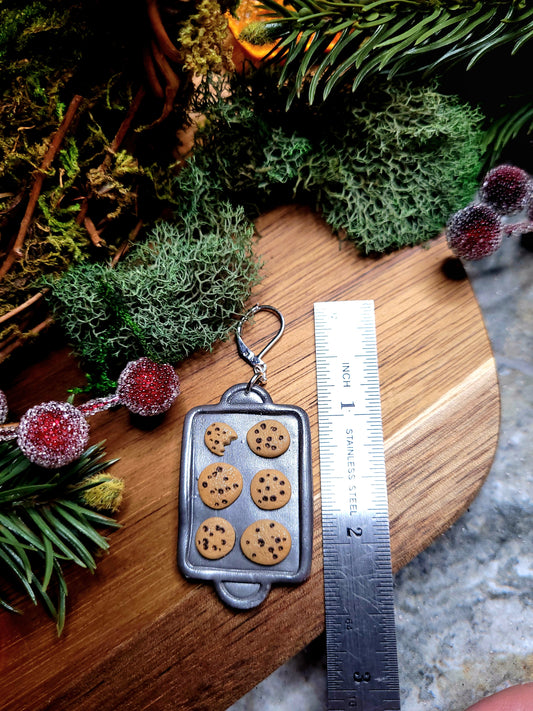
256,361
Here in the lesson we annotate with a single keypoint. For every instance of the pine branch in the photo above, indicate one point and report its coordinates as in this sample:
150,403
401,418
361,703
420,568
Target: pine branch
45,521
506,129
323,43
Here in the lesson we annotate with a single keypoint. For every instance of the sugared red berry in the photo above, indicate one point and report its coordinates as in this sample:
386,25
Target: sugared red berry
474,232
505,188
52,434
148,388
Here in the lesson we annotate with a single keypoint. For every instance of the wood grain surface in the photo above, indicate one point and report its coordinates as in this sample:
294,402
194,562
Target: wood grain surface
138,635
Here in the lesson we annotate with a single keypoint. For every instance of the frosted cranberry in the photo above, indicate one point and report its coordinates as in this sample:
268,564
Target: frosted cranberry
52,434
505,188
474,232
148,388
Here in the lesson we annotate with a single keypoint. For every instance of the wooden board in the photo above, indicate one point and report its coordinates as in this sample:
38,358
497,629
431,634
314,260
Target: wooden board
138,634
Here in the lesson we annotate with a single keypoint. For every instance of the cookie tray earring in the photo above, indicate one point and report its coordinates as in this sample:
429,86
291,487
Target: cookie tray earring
245,511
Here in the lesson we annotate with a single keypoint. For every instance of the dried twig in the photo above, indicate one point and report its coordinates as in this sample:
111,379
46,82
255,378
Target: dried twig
124,247
17,199
82,217
26,305
163,40
83,211
172,85
93,232
151,74
16,251
13,345
124,127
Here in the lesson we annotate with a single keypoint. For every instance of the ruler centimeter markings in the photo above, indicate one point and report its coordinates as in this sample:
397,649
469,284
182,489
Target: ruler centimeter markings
362,666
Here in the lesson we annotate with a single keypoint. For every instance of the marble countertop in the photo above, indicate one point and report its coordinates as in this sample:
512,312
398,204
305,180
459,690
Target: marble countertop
464,607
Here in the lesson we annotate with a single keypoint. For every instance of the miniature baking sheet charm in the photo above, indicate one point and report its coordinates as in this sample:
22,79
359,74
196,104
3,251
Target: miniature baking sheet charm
245,511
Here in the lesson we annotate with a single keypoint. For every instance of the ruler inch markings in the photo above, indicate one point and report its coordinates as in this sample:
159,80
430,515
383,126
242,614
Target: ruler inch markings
362,666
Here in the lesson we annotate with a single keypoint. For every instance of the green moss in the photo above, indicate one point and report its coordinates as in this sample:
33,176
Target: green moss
178,293
258,33
396,167
52,50
203,39
384,172
385,169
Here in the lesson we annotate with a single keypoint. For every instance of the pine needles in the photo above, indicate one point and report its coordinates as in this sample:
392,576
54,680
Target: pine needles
46,522
506,128
323,43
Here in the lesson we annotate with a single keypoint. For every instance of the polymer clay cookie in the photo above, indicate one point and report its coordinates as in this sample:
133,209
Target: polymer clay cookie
268,438
215,538
217,436
266,542
270,489
219,484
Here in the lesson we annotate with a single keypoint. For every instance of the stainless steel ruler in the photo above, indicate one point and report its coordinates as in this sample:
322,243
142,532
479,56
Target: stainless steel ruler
362,667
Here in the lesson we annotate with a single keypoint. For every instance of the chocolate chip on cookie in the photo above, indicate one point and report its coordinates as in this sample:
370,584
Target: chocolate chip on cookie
215,538
266,542
270,489
268,438
217,436
219,484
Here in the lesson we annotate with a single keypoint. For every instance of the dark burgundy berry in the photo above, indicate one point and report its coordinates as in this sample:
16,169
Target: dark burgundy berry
474,232
505,188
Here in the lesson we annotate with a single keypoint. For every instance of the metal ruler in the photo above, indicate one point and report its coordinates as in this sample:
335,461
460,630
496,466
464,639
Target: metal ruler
362,666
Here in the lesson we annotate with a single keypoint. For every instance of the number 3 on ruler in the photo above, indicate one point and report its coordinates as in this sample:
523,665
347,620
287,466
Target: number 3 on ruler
361,677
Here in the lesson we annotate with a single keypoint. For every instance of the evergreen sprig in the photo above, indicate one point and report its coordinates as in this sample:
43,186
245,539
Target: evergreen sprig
506,129
323,43
45,522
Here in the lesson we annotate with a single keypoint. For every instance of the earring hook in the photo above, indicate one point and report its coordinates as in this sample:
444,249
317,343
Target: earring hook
256,361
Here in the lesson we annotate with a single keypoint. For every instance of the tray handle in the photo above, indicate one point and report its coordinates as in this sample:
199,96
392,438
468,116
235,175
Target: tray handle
243,596
240,395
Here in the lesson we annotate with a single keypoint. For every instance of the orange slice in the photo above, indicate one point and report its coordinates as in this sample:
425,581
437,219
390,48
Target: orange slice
248,11
251,11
